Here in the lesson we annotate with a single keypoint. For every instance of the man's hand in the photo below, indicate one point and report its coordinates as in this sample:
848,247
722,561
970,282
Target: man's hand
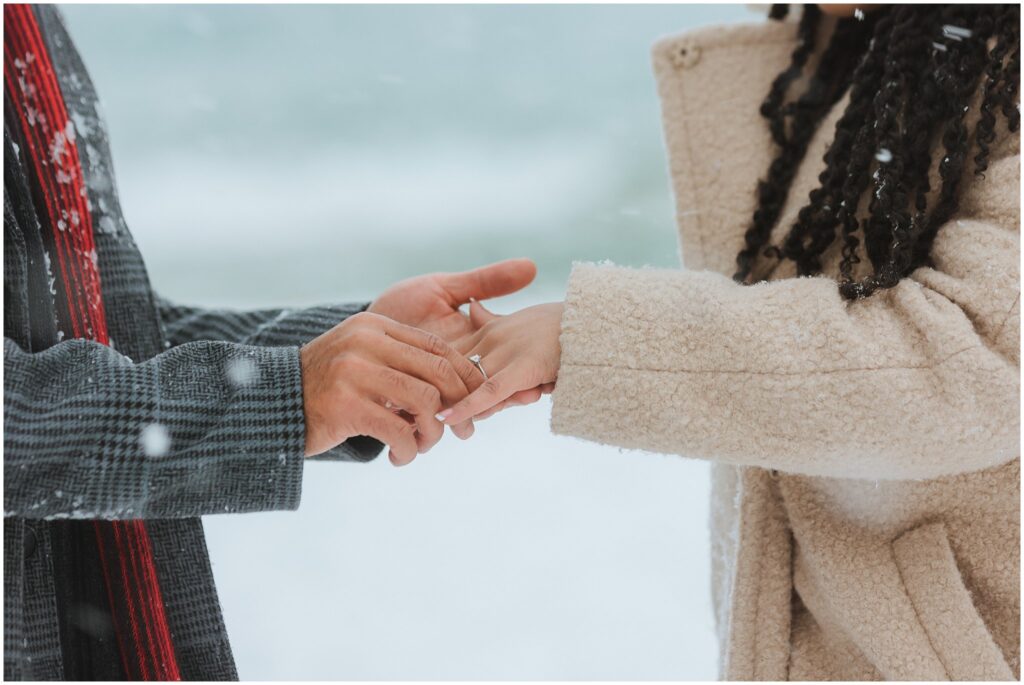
432,302
372,376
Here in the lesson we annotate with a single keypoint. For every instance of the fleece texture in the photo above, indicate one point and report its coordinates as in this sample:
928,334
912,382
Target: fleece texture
866,513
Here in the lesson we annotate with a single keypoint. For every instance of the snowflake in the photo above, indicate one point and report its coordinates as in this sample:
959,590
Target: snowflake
155,440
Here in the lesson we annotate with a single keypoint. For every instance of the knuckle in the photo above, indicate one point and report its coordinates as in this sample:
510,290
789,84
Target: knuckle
389,377
346,364
442,368
434,345
396,379
356,321
365,318
474,381
363,336
431,396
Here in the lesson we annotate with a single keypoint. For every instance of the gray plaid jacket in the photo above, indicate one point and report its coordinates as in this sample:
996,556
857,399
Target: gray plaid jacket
225,386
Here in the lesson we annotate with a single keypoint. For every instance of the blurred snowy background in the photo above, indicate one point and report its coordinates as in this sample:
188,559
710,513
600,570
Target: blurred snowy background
283,155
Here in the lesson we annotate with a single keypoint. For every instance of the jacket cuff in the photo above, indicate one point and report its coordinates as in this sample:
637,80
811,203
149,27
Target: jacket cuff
361,448
271,430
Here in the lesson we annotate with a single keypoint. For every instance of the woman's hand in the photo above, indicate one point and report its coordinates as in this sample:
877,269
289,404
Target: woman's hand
520,353
372,376
432,302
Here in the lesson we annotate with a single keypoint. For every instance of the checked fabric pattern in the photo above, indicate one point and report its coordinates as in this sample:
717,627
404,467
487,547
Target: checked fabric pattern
220,391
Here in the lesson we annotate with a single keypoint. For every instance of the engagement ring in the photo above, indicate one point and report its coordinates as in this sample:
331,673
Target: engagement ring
475,360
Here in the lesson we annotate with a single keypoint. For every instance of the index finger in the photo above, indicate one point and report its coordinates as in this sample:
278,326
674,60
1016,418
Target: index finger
495,389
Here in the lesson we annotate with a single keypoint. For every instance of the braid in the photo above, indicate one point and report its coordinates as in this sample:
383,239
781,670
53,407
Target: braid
771,107
816,222
772,191
1011,80
993,95
911,71
958,80
888,221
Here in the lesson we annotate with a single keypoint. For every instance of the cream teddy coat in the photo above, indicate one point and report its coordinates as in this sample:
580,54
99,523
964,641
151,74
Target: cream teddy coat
866,509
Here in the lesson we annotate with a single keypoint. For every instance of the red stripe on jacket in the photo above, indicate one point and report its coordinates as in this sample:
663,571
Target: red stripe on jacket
147,650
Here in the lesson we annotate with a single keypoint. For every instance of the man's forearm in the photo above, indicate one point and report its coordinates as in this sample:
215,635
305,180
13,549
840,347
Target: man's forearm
264,327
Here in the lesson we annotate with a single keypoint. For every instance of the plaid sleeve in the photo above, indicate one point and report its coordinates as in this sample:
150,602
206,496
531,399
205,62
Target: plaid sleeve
206,427
268,328
264,327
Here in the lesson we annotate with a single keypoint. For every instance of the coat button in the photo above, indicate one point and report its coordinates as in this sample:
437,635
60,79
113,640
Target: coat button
686,55
31,541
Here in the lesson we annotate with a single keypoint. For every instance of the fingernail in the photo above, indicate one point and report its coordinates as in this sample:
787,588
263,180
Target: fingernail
441,416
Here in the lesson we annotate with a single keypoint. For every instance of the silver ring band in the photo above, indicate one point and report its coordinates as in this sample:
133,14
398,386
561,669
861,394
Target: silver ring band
475,361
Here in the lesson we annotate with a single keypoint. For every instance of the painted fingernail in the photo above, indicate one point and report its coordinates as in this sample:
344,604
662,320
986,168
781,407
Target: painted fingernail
441,416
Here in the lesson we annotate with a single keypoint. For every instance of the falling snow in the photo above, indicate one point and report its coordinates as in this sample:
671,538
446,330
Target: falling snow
58,147
884,155
81,126
49,272
107,225
858,14
155,440
956,32
242,371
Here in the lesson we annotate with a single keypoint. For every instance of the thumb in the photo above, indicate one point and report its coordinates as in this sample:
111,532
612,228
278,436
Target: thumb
479,314
493,280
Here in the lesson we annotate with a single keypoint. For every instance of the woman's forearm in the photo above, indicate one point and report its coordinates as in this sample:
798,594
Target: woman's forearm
787,375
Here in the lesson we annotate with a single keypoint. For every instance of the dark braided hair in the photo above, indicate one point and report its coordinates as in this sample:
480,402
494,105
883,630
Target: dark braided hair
911,72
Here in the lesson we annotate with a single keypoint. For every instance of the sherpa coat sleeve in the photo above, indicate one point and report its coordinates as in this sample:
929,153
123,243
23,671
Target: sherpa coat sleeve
918,381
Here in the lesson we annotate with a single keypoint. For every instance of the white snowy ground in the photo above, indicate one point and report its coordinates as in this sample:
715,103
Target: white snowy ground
515,555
